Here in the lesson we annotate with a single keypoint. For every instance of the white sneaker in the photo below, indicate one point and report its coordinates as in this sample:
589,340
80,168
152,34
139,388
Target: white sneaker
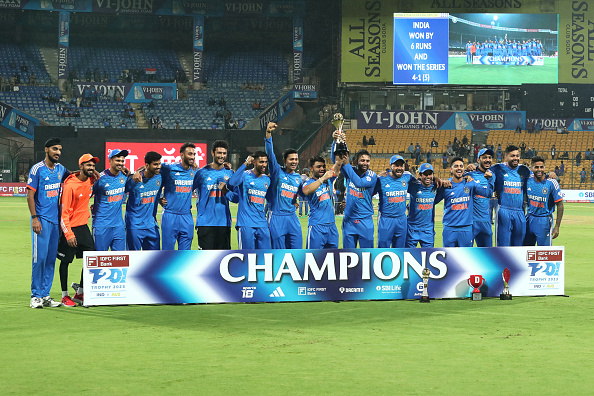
47,301
36,302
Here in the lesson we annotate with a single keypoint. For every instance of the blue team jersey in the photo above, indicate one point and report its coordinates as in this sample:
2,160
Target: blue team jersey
212,205
359,193
421,207
284,186
510,184
481,203
458,202
392,194
46,184
109,193
143,200
177,188
321,203
542,197
252,193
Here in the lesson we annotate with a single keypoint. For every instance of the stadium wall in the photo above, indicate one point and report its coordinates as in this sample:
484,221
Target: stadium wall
77,142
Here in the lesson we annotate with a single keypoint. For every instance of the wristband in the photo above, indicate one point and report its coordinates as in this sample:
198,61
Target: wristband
34,216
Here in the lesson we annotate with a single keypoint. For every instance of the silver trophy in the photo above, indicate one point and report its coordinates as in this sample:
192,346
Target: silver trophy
340,148
425,294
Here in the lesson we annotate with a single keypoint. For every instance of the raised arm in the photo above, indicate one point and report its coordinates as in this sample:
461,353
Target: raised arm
359,182
237,178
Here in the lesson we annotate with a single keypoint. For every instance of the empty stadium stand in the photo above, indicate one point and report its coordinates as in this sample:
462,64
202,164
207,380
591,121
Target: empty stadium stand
17,55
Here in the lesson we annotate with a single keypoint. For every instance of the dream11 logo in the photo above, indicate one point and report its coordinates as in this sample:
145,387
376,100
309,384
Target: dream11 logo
137,151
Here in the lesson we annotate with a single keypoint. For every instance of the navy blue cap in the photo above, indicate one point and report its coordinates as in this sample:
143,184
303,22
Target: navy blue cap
118,153
486,150
425,167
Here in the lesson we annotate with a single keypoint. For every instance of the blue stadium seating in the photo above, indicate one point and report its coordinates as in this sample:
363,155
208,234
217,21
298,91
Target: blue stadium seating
29,55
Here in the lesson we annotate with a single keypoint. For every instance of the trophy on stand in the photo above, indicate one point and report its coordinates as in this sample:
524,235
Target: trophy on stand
340,147
425,294
476,281
505,295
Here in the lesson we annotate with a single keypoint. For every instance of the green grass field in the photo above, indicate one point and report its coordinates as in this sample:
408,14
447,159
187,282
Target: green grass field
462,73
527,346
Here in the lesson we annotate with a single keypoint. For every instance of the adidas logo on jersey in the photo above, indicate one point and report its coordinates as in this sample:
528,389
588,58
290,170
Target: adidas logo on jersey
387,185
177,174
80,195
278,292
47,178
529,189
106,184
252,183
209,179
505,175
142,186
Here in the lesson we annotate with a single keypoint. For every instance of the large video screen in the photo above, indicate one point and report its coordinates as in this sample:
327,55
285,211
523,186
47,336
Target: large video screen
475,49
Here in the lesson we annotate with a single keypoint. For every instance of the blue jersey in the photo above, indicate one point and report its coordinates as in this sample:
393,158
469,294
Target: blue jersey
212,205
542,197
109,193
458,202
321,203
421,207
480,202
143,200
359,193
392,194
252,193
510,185
284,186
46,184
177,188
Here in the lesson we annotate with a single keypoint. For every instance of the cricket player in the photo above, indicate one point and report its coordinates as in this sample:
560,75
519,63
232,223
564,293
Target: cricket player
76,237
510,186
318,190
481,227
392,190
421,209
213,221
142,229
252,186
458,205
109,191
177,224
283,223
43,191
543,195
357,224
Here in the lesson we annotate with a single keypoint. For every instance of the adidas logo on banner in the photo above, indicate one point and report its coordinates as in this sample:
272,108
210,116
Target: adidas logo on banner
278,292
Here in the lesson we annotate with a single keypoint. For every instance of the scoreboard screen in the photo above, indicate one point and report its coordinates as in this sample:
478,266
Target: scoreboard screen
558,100
475,49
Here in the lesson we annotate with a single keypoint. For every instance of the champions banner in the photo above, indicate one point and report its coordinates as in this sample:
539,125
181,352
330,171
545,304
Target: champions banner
130,92
460,120
63,44
512,60
176,277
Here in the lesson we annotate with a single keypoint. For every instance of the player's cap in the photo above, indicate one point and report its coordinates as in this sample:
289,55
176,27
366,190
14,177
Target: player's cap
86,158
425,167
396,158
118,153
486,150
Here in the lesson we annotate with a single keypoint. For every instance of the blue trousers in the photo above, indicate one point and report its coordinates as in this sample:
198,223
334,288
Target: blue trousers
253,238
511,227
322,236
144,239
360,231
457,236
109,237
538,231
45,251
177,228
482,233
285,232
426,238
391,232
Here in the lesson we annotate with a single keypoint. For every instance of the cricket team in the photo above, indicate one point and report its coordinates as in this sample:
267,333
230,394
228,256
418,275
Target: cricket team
267,195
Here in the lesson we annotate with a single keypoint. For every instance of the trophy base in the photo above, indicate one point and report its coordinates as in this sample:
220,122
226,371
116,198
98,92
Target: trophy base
477,297
505,296
424,299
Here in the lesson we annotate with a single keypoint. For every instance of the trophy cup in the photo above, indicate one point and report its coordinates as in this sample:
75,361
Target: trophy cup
425,294
476,281
340,147
505,295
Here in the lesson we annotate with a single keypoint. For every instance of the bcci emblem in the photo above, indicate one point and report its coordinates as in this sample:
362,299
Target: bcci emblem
121,181
297,180
545,191
158,183
403,184
466,190
265,185
226,178
192,173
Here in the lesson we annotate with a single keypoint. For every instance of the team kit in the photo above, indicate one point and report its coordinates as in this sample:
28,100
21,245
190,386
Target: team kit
267,194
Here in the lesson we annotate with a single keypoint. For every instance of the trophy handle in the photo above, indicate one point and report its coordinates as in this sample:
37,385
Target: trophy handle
482,282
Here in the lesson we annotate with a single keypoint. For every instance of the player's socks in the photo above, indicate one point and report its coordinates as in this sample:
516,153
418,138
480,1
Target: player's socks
64,294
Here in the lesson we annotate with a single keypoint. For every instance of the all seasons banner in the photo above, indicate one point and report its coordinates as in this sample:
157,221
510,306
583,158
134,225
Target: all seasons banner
556,37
